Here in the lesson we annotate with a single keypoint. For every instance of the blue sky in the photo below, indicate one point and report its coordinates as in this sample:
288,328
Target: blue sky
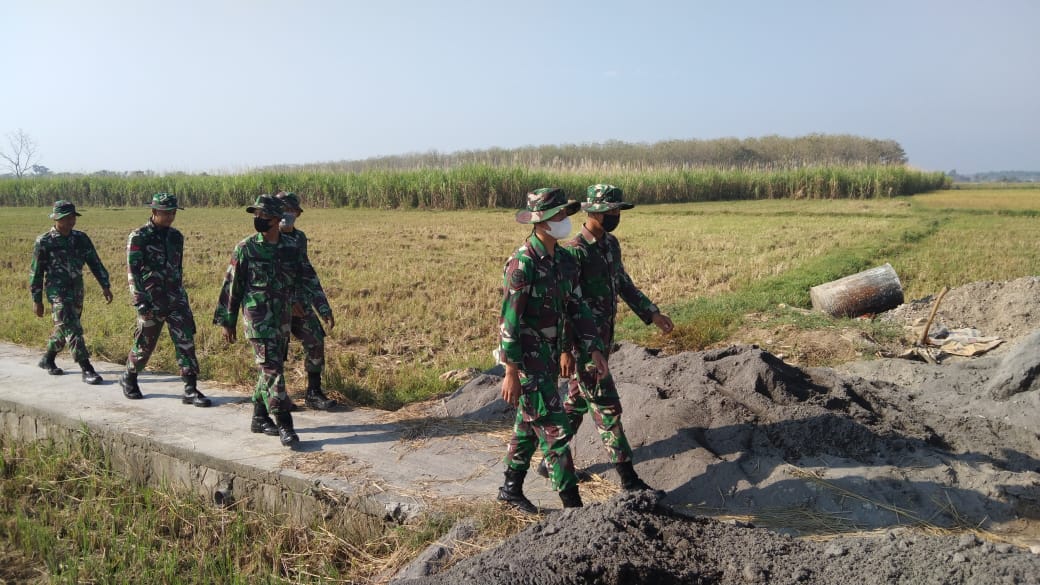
222,85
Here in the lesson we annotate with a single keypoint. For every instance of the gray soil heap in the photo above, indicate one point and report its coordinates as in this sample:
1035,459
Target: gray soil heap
880,445
630,539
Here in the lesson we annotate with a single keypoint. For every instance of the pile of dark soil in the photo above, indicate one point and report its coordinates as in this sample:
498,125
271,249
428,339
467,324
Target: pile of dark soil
630,539
873,445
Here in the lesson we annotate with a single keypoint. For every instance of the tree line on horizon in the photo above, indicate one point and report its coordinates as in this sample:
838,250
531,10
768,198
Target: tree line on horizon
767,152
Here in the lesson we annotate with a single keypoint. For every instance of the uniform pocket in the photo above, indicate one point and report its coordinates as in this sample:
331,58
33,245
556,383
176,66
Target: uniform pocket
259,274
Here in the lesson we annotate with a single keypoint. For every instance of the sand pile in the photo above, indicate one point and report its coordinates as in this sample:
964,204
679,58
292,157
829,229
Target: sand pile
631,540
871,445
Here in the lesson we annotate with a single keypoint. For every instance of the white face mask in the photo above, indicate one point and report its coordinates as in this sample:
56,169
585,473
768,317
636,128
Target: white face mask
560,229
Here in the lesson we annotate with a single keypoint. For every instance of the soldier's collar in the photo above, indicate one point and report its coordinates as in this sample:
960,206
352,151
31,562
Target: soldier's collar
587,235
537,246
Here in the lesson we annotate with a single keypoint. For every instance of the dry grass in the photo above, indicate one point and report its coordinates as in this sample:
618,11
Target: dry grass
416,293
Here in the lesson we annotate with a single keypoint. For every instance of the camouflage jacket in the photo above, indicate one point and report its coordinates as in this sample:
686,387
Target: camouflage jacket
264,280
602,277
155,268
320,302
57,265
541,302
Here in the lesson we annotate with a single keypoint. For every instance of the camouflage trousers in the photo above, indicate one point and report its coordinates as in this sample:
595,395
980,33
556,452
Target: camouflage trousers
182,332
270,385
586,394
311,334
66,312
541,422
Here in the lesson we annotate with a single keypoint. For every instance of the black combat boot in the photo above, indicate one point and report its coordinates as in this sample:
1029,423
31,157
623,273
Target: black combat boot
130,388
571,498
262,423
285,429
89,375
629,480
192,394
316,398
47,363
512,492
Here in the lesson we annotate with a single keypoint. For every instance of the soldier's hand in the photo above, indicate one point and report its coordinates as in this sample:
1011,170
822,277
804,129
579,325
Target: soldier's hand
602,369
297,310
107,292
330,321
566,364
511,386
38,309
663,322
229,333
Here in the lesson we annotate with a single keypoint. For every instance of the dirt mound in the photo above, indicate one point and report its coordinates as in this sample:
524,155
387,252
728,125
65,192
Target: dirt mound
879,444
630,539
1010,310
883,443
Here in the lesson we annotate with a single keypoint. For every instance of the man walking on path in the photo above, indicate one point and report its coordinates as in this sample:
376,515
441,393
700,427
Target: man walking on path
266,280
57,269
541,302
602,277
155,272
307,328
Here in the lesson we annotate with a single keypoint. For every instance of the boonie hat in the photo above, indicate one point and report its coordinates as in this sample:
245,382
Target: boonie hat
602,197
164,202
268,204
63,208
544,203
290,200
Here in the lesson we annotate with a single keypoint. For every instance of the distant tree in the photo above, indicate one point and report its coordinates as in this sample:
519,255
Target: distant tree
40,170
22,153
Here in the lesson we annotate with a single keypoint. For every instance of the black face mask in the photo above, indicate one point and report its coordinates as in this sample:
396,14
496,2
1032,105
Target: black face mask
261,225
610,222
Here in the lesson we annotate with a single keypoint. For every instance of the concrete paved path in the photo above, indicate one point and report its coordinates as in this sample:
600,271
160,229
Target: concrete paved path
404,461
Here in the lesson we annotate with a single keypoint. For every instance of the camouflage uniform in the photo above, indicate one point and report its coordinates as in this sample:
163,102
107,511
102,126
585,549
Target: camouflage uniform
603,278
308,328
155,272
541,302
265,280
57,269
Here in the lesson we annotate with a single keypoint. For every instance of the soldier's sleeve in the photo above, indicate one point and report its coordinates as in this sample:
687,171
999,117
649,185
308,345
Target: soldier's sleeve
37,269
94,261
567,337
231,293
139,298
636,300
310,276
585,334
516,289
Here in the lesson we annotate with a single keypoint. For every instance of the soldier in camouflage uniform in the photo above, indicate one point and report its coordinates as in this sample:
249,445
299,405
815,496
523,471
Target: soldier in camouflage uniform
541,302
308,328
155,272
603,278
57,268
267,280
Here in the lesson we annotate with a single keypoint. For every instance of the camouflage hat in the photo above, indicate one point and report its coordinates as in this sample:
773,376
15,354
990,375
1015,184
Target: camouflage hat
291,201
544,203
63,208
268,204
164,202
604,198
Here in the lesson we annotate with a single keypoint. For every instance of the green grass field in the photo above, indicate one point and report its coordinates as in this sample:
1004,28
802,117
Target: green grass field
416,293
